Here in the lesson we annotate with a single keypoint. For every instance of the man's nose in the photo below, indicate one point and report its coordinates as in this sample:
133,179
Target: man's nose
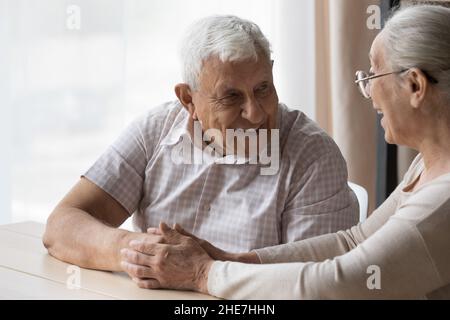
253,112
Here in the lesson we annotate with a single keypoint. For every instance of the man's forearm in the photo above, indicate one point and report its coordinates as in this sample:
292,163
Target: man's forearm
74,236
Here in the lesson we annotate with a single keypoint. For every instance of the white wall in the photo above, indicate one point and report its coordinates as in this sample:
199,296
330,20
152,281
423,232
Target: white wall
66,94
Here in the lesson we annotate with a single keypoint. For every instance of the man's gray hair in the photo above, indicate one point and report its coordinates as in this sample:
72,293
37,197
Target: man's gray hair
227,37
419,36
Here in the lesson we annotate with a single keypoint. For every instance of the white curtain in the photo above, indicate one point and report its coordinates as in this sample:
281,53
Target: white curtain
74,73
343,41
5,117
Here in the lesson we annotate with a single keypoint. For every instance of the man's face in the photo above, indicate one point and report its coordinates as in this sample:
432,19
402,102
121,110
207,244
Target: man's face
236,95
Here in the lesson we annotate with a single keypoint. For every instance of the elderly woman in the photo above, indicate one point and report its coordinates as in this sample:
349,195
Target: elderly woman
402,250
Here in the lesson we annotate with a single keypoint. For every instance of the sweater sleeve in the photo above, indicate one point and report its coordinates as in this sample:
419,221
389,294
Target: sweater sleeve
403,259
392,263
333,244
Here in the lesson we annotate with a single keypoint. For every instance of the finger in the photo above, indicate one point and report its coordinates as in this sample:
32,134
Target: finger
147,283
146,247
154,231
153,238
137,271
168,232
164,228
180,230
136,257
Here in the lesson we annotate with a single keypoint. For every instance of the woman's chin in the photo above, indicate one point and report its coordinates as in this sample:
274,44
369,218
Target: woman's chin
388,138
387,135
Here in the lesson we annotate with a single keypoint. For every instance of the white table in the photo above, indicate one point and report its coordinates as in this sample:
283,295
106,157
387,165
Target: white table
27,271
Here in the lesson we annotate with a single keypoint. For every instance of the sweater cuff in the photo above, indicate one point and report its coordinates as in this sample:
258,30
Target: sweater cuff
265,255
214,278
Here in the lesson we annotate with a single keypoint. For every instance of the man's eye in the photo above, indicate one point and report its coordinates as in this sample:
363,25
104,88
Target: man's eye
263,90
229,99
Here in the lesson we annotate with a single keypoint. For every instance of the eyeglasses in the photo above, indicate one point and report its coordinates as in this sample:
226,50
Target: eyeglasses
362,80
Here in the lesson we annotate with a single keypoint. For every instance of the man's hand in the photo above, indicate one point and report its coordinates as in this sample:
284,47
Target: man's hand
178,263
213,251
132,237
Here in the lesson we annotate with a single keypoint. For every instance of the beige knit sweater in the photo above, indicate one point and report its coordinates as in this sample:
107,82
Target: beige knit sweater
401,251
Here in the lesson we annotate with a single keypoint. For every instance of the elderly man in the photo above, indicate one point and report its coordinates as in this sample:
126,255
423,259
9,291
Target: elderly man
230,202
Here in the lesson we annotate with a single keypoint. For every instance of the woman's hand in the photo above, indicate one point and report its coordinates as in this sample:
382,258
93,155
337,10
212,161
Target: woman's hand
177,263
213,252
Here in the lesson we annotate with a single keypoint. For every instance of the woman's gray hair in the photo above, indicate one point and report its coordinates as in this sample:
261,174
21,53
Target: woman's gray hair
227,37
419,36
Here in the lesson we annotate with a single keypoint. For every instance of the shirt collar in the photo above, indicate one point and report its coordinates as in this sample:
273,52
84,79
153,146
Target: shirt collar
182,128
178,130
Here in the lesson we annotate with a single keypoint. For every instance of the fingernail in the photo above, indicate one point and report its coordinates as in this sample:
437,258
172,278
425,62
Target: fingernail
123,251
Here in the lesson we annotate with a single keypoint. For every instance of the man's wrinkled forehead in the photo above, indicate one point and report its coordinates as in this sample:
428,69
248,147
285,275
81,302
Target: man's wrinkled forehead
230,74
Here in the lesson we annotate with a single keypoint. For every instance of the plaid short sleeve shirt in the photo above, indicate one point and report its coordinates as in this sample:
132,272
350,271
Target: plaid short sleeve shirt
232,206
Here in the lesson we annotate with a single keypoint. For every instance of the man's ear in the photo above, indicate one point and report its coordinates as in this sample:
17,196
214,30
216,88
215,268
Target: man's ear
184,94
417,86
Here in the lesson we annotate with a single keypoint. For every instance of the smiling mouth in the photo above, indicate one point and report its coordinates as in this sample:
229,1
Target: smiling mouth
262,126
379,111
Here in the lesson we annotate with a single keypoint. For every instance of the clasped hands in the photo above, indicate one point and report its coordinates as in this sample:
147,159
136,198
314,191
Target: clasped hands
172,259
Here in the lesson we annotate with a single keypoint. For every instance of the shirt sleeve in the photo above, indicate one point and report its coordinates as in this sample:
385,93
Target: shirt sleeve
320,200
120,170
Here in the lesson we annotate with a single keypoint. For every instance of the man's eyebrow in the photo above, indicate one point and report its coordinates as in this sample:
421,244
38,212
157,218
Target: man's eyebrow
223,87
227,91
262,83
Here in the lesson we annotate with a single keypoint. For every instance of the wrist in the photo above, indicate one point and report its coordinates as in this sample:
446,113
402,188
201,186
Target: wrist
247,257
123,238
201,285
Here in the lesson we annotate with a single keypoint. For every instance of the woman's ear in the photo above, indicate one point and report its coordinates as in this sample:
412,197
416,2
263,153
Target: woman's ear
417,86
184,94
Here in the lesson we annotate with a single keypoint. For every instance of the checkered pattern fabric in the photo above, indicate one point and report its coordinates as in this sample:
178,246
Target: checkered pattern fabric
232,206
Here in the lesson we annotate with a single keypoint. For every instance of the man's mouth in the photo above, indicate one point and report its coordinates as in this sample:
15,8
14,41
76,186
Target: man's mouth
262,126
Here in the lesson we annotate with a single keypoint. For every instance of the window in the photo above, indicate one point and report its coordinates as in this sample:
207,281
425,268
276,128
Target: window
74,73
